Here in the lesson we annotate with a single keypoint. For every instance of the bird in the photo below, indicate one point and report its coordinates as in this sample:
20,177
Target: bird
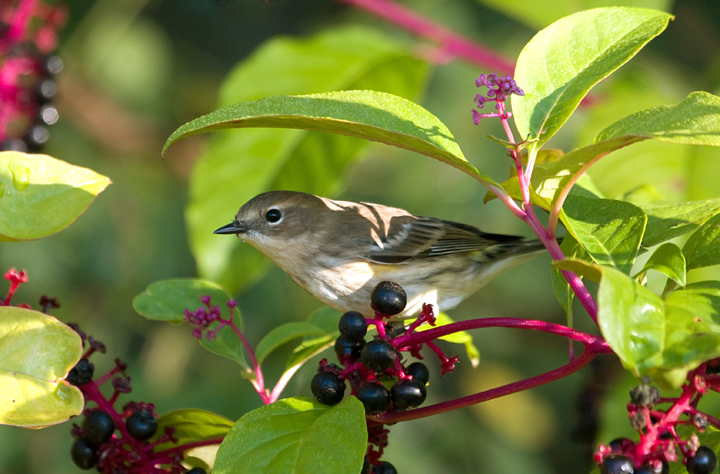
339,250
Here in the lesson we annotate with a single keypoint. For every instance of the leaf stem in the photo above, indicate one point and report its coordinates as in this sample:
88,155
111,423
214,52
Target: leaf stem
258,383
567,369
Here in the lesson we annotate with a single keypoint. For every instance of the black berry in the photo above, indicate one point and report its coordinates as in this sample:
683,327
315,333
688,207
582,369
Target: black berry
408,394
661,467
384,468
388,298
196,470
13,144
618,444
644,395
419,371
378,355
98,426
345,348
84,453
53,65
374,397
703,462
616,464
37,137
353,326
82,373
45,91
327,388
141,424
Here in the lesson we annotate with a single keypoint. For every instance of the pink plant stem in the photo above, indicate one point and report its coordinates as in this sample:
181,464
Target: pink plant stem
282,382
596,343
567,369
452,43
647,441
258,383
19,24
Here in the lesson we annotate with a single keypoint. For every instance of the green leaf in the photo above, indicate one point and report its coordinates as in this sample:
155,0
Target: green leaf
40,195
282,335
372,115
668,259
564,61
191,425
667,221
166,300
609,230
692,332
238,165
327,320
694,121
460,337
36,353
631,319
297,436
703,247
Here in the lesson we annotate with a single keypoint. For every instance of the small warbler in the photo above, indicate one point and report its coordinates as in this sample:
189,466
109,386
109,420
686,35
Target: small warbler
339,250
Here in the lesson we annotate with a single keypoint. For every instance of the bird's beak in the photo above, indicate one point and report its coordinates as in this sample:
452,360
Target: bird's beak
235,227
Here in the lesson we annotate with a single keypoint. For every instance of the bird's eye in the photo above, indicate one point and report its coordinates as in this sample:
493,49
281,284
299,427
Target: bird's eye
273,215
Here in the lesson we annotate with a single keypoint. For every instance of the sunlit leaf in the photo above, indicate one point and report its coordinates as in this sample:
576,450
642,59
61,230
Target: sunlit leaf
703,247
36,353
40,195
668,259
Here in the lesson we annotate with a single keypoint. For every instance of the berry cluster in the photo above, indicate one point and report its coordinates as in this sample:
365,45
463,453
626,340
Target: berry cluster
660,443
118,442
27,73
377,375
500,88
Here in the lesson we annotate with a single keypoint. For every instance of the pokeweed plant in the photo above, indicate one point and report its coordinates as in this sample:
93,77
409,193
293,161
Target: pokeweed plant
670,340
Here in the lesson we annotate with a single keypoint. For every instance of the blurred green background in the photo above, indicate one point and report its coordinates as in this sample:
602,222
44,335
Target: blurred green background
138,69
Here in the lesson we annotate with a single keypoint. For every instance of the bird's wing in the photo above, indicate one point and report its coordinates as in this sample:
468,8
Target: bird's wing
419,237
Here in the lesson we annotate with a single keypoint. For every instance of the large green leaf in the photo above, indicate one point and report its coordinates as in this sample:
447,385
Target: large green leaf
296,436
694,121
241,164
40,195
36,353
609,230
191,425
561,63
167,300
667,221
703,247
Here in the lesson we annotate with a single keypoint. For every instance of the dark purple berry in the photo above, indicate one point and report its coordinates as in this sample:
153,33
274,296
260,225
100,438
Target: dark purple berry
419,371
618,445
98,426
45,91
353,326
388,298
13,144
48,115
81,374
408,394
616,464
53,65
196,470
327,388
374,397
657,466
84,453
345,348
378,355
36,138
141,424
644,395
703,462
384,468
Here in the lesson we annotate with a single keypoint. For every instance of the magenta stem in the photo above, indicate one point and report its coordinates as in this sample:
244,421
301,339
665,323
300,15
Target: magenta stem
452,43
596,343
259,382
567,369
